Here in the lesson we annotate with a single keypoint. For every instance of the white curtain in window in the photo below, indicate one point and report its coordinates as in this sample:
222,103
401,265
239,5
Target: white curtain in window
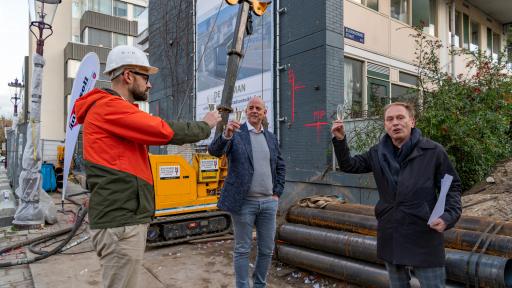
349,84
399,10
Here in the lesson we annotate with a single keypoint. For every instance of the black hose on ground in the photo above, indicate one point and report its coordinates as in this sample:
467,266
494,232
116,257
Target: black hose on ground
30,241
82,212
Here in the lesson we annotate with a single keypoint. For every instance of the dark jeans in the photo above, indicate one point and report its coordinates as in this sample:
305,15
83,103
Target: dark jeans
429,277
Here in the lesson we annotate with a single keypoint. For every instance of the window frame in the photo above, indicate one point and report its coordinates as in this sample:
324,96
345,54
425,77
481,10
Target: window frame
362,92
479,35
377,78
408,12
114,8
365,4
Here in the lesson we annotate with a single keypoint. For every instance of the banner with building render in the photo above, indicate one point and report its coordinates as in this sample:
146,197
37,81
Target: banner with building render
215,26
84,81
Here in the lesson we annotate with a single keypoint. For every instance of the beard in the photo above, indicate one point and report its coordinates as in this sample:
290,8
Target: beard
139,94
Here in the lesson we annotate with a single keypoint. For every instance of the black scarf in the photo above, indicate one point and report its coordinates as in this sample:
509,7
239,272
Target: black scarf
390,159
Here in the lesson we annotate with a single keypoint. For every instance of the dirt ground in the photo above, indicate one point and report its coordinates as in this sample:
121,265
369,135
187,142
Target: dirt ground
206,264
210,264
197,265
493,196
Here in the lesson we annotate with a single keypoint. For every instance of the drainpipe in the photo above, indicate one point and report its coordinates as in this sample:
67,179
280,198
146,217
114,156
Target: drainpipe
452,25
278,68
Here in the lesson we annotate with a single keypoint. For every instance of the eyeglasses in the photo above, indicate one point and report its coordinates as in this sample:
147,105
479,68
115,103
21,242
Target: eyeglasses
144,76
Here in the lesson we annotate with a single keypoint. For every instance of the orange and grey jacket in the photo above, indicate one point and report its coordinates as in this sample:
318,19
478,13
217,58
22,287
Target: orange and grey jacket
115,135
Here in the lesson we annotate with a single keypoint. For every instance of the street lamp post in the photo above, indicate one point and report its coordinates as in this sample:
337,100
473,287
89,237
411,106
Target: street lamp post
16,86
29,211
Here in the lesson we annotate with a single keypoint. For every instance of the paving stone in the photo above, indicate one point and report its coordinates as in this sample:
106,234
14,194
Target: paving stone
12,276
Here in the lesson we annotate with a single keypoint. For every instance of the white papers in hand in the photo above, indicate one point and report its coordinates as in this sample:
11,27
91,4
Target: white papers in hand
439,208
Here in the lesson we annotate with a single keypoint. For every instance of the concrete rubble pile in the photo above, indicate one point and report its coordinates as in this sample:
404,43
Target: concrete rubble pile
340,241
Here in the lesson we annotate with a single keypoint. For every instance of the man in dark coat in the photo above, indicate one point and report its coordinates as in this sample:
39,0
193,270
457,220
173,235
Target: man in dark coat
408,169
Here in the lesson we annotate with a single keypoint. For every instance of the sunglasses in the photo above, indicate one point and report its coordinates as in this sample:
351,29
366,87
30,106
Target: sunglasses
144,76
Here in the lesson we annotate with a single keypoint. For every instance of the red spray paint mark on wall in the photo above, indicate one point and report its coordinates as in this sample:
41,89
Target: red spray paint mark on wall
294,88
317,116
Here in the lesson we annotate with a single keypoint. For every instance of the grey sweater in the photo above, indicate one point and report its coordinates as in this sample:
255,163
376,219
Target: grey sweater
261,185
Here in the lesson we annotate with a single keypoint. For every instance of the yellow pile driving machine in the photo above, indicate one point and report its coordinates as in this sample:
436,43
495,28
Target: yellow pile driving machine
186,199
186,195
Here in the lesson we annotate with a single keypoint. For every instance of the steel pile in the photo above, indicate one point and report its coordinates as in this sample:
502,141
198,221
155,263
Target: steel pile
339,241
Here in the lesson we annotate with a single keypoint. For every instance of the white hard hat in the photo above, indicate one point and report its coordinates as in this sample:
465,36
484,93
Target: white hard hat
124,55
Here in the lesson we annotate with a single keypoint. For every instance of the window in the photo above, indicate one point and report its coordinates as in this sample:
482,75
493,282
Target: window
373,4
119,39
72,68
75,39
424,15
489,41
120,9
408,79
508,41
66,109
142,21
99,38
458,29
378,88
103,77
475,36
400,10
353,92
101,6
493,44
403,94
137,10
465,25
496,44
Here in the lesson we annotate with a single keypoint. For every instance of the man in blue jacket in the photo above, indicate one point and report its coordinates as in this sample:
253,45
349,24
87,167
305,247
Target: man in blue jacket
408,169
255,181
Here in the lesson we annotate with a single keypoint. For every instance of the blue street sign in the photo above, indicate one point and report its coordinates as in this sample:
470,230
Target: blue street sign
354,35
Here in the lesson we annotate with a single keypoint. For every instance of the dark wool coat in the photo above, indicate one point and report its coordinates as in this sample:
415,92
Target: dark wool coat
403,236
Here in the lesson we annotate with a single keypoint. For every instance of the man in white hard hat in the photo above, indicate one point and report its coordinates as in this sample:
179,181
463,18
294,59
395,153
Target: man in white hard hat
115,136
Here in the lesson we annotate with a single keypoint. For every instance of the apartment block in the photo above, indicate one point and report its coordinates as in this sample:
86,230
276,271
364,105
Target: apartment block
80,27
380,50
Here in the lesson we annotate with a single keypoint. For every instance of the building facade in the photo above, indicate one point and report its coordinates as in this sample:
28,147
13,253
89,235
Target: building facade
380,51
80,27
350,52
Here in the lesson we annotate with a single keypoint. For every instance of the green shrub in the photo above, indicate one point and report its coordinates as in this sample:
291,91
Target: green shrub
471,115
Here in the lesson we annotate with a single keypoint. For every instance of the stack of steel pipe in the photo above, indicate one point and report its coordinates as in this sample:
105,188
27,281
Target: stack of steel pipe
339,241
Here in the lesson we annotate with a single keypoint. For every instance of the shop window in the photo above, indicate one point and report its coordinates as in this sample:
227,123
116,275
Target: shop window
353,92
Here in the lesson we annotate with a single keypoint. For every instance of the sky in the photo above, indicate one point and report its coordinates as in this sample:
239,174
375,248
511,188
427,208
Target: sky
14,29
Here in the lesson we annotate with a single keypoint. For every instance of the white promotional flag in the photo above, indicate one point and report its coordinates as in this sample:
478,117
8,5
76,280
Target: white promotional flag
84,82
